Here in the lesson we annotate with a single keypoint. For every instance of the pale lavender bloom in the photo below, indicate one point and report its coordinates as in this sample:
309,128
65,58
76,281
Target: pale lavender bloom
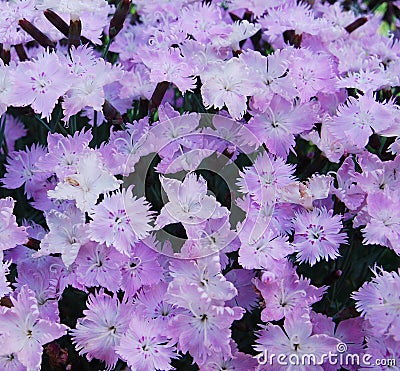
91,179
284,292
98,265
270,76
151,304
378,302
204,328
11,234
357,119
64,153
264,252
22,168
145,347
295,340
121,220
23,332
227,83
48,278
40,83
10,362
263,180
281,121
169,65
204,274
246,298
99,332
188,202
317,235
68,232
88,88
311,73
383,228
140,267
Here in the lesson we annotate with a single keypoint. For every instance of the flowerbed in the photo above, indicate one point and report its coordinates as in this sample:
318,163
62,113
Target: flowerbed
199,185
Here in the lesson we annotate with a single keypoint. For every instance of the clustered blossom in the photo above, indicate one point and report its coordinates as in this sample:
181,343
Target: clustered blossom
198,182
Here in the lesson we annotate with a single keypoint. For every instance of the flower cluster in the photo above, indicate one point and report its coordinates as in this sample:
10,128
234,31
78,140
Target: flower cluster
189,182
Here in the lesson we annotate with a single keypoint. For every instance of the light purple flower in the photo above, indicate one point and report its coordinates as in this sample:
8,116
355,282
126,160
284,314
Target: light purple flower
317,235
145,347
23,332
99,332
121,220
11,234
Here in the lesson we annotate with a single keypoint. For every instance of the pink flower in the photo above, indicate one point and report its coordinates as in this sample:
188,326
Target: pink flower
317,235
47,278
151,304
204,274
64,153
87,88
285,293
358,118
99,332
121,220
126,147
23,332
311,72
145,347
169,65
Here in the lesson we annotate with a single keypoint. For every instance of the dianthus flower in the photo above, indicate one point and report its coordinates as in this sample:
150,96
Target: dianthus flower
145,347
23,332
99,332
11,234
317,235
378,302
121,220
40,83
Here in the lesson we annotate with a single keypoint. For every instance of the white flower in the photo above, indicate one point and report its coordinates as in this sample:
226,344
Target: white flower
67,234
85,187
188,203
72,7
